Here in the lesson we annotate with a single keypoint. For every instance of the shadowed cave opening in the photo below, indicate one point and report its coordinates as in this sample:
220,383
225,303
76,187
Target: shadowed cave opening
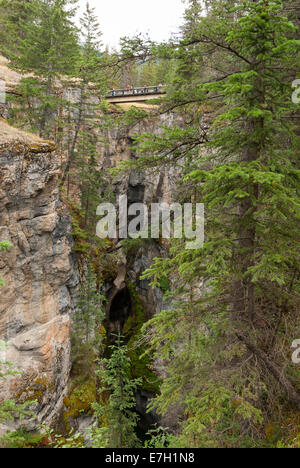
120,310
135,194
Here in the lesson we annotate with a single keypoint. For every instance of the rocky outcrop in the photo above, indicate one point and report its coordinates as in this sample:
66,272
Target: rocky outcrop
39,273
140,187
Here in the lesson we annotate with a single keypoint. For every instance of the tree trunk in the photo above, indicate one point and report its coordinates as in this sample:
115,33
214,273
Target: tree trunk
74,143
278,374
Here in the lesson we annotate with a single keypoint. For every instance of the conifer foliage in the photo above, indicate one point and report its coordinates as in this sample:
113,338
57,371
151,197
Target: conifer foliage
117,417
47,50
240,157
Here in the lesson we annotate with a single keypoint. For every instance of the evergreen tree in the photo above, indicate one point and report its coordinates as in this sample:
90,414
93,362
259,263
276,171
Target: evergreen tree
92,81
82,168
223,344
117,419
148,74
12,14
192,17
48,51
87,321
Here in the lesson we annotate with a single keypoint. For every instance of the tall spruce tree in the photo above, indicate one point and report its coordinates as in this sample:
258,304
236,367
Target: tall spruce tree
117,419
12,14
239,154
47,51
82,167
192,17
87,321
92,85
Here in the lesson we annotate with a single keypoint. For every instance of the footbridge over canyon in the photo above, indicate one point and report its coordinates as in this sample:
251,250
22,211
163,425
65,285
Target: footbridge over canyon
135,95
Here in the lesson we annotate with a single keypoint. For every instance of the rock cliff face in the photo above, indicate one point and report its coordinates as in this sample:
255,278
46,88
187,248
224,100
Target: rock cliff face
140,187
40,276
39,273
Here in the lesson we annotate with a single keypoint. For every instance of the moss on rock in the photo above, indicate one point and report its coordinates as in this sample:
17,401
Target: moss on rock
141,361
79,401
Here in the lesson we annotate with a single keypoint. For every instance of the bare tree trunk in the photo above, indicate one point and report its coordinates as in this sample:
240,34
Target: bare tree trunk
74,142
43,133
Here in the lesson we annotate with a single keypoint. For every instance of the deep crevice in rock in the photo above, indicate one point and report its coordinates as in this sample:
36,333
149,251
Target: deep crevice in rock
120,310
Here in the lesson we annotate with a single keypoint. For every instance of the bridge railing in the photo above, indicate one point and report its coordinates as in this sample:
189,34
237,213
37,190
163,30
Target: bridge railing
136,91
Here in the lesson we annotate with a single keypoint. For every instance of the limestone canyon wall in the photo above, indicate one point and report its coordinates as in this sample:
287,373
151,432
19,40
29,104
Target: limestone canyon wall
39,273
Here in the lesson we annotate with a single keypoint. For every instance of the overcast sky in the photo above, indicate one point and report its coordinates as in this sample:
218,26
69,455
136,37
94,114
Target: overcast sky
119,18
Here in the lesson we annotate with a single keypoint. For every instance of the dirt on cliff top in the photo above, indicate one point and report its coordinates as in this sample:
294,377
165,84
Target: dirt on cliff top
12,77
10,136
8,75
